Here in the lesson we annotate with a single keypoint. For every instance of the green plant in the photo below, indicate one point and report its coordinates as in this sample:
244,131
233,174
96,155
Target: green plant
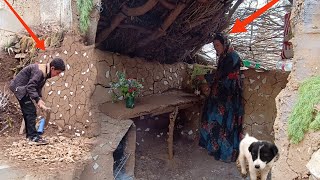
84,8
197,71
302,118
125,87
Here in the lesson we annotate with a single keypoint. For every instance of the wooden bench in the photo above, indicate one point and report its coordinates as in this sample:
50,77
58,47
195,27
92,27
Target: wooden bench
167,102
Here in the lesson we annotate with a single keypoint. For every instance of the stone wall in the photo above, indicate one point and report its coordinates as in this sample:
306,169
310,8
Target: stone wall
294,157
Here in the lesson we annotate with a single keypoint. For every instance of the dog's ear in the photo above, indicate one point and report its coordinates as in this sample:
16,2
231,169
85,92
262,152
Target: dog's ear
274,149
250,147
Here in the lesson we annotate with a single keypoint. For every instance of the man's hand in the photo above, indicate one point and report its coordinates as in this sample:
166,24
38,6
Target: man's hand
42,105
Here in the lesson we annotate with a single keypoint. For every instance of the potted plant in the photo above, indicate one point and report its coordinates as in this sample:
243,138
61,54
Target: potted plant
198,81
125,88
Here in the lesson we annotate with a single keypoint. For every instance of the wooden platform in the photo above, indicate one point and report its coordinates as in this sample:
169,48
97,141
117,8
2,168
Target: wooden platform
168,102
154,104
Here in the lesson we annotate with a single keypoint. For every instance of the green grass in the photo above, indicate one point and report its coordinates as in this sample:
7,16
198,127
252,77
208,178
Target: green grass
303,117
315,125
84,8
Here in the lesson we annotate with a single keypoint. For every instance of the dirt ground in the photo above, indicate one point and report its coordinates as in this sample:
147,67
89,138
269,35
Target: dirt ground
10,117
190,161
29,160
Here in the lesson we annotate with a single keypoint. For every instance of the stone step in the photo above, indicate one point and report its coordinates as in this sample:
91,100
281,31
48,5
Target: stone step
7,172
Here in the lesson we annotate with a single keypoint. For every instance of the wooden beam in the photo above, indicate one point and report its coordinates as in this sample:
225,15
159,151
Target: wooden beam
114,24
138,11
124,13
167,4
140,29
161,31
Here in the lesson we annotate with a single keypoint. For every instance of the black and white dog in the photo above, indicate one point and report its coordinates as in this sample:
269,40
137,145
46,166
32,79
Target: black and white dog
260,156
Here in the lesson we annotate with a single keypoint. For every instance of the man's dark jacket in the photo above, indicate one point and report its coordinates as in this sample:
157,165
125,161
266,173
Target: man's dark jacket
29,81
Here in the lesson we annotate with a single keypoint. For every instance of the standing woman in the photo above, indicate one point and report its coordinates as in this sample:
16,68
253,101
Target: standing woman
221,123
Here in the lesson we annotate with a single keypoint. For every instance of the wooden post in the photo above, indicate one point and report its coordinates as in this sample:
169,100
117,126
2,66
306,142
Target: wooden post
172,118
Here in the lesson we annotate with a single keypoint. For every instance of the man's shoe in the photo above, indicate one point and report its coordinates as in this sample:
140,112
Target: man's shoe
37,140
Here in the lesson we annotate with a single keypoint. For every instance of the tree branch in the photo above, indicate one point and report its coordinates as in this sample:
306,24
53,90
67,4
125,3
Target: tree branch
138,11
167,4
124,13
161,31
140,29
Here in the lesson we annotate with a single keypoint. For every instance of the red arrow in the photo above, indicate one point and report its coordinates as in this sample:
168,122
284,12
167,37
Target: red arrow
39,43
240,26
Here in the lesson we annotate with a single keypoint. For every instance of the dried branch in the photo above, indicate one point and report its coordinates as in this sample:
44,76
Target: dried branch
263,41
234,8
125,12
161,31
140,29
138,11
4,96
167,4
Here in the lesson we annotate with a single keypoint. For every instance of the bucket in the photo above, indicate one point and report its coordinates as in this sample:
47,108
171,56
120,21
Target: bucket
41,126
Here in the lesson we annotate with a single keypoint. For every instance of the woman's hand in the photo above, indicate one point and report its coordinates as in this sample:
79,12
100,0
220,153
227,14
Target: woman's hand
205,89
200,77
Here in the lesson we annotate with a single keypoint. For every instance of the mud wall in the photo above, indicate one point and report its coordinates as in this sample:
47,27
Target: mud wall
294,157
155,77
75,95
259,92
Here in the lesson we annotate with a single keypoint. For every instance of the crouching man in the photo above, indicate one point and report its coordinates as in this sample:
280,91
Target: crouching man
27,86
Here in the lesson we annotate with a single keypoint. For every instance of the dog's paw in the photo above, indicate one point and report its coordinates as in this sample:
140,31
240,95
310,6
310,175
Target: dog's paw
244,173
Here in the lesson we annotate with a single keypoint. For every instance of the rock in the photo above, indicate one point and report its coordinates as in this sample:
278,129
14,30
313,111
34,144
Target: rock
95,166
20,56
17,46
17,50
95,157
264,80
314,165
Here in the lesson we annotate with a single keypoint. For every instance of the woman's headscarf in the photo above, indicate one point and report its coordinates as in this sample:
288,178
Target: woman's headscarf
224,41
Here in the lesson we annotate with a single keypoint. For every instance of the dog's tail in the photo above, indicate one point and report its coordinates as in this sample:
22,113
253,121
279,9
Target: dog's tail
247,135
244,136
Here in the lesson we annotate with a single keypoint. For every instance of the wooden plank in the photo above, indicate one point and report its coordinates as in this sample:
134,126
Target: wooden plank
131,149
153,104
